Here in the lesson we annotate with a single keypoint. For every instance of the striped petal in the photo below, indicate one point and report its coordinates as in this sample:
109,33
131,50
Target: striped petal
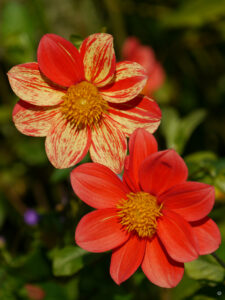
129,81
34,120
98,58
28,84
100,231
208,235
109,145
127,258
59,60
141,112
92,182
159,267
66,146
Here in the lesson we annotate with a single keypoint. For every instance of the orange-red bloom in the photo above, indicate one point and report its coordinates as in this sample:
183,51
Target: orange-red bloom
155,218
82,100
145,56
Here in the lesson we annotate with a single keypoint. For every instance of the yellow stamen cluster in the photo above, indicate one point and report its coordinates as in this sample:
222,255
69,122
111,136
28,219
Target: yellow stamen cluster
83,106
139,213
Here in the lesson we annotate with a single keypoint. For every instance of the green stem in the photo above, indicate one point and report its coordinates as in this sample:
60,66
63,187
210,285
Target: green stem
219,260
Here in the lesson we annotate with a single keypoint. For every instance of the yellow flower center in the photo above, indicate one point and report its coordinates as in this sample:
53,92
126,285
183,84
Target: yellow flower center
83,106
139,213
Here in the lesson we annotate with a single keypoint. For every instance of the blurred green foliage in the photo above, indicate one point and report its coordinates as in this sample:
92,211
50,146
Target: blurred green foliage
189,39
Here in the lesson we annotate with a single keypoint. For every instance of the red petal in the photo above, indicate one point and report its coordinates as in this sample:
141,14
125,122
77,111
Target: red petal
100,231
34,120
177,237
98,58
109,145
156,79
28,84
162,170
66,146
159,267
141,112
130,79
130,45
97,185
59,60
141,145
208,235
191,200
126,259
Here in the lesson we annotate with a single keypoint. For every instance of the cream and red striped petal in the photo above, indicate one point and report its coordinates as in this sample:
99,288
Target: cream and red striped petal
66,146
161,269
28,84
127,258
59,60
130,79
34,120
98,58
141,112
109,145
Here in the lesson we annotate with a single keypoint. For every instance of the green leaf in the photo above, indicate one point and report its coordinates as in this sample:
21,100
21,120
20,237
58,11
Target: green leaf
54,291
186,288
202,269
178,130
69,260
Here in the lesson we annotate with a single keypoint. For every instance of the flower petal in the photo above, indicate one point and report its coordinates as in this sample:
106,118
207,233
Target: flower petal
129,81
191,200
161,269
98,58
28,84
156,79
59,60
34,120
66,146
109,145
141,144
127,258
208,235
100,231
97,185
141,112
177,237
162,170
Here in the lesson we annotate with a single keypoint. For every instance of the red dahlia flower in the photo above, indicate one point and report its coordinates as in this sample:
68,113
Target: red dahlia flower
145,56
155,218
80,100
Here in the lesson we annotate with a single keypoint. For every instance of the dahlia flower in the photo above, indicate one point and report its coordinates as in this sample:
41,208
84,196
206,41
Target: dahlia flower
133,50
82,100
155,218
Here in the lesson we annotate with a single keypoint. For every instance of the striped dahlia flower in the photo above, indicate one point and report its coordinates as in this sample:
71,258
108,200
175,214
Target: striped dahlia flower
82,100
154,218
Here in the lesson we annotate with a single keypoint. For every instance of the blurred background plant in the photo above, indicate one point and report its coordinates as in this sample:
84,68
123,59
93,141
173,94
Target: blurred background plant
38,210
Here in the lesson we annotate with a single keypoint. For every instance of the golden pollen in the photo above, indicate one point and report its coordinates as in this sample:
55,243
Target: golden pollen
139,212
83,106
